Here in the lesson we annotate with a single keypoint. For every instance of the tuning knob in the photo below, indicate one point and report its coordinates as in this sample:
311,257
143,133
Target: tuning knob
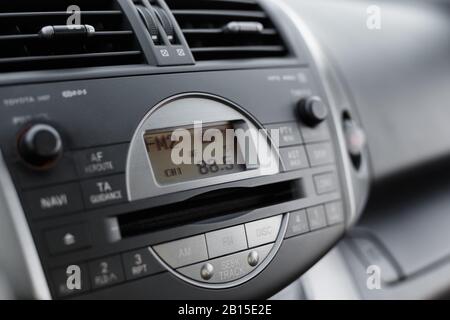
40,146
312,110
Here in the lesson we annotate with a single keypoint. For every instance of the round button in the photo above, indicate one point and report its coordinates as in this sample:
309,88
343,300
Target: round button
40,145
207,271
312,110
253,258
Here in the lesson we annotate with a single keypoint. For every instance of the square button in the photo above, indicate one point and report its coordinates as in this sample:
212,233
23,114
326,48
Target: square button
316,217
101,161
226,241
68,238
182,252
335,212
298,223
55,200
140,263
106,272
294,158
263,231
73,279
104,191
320,154
326,182
288,133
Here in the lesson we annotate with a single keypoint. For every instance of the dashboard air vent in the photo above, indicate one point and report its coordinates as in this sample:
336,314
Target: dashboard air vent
227,29
49,34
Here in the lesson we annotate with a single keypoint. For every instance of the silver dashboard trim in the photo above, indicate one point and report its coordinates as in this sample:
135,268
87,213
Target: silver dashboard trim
330,279
23,266
322,67
239,281
208,108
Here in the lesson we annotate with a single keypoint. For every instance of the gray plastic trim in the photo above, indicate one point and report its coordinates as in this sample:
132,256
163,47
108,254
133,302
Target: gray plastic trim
322,67
19,259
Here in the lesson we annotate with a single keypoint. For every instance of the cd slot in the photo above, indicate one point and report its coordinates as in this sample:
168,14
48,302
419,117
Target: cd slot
209,205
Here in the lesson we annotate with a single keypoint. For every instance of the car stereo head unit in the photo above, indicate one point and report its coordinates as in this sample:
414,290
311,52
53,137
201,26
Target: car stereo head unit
102,191
183,182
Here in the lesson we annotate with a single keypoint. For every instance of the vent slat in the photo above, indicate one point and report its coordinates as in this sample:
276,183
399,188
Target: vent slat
226,13
114,33
23,49
56,13
69,56
19,37
220,31
36,36
214,4
240,49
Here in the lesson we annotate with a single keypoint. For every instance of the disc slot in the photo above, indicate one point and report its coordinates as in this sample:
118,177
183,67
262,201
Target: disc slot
212,204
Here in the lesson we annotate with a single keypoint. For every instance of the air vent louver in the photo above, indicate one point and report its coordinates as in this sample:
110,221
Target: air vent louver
24,49
227,29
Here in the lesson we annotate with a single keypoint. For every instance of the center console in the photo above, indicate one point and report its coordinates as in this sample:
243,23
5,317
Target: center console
88,158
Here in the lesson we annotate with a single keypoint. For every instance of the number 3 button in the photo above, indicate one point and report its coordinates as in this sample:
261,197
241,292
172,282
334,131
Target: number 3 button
140,263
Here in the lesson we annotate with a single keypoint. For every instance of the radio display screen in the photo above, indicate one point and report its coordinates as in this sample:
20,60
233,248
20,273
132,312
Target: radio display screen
192,153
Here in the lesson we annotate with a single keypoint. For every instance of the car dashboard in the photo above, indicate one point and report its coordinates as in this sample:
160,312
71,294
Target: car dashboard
346,125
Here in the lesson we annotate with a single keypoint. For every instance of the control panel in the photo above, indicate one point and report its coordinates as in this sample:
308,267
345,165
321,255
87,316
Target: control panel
103,200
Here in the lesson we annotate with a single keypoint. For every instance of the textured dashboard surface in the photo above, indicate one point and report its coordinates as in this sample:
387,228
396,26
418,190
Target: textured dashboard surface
399,78
399,75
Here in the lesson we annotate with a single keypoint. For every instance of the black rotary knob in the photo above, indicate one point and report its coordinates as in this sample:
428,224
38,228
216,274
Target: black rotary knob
40,145
312,111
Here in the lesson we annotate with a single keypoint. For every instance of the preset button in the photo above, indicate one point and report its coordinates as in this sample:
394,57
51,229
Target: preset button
106,272
140,263
65,280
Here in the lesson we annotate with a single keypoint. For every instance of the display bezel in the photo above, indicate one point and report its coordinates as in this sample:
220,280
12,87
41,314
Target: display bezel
179,111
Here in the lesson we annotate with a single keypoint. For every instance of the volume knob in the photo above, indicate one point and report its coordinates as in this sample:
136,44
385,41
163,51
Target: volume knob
312,111
40,145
